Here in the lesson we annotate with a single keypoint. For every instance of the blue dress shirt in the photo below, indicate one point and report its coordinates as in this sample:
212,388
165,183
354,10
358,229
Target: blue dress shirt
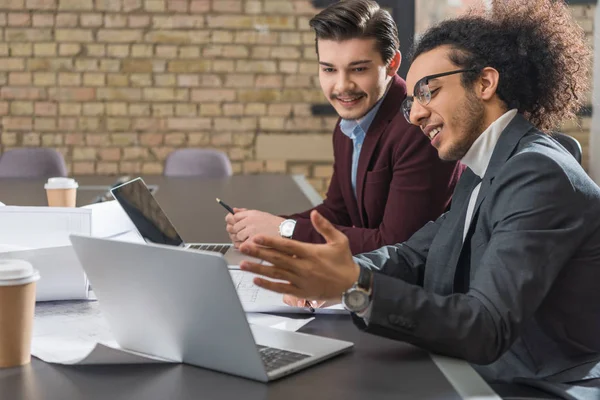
356,129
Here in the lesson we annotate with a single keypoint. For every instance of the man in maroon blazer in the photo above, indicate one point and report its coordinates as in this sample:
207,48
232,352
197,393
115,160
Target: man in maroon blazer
387,178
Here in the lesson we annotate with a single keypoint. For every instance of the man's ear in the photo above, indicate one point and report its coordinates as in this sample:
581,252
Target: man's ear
394,64
487,85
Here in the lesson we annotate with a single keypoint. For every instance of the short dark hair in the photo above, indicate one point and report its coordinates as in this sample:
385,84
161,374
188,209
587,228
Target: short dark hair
536,46
357,19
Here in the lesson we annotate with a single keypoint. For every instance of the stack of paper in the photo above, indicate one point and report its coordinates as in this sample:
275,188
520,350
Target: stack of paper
40,235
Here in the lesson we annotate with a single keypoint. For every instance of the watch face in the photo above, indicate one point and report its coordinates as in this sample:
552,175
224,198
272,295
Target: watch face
287,229
356,300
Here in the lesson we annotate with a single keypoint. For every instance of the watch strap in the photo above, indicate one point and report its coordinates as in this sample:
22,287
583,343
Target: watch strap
365,278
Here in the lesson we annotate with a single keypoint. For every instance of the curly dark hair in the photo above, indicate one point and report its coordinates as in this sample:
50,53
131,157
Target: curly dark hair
357,19
536,46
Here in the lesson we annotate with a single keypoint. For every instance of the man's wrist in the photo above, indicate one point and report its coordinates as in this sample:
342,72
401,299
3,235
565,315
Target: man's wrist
286,228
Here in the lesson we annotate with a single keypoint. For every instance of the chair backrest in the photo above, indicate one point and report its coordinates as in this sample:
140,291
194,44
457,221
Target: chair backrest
34,162
570,143
206,163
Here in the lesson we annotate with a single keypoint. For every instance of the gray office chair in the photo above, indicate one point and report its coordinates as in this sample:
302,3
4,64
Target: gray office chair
35,162
205,163
570,143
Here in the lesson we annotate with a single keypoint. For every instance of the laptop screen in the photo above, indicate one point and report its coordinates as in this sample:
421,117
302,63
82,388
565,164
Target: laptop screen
145,213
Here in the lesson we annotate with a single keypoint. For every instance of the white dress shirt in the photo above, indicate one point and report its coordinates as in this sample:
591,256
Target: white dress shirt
478,157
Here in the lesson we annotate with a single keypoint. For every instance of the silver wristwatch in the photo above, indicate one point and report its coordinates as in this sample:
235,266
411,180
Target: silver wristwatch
358,297
286,228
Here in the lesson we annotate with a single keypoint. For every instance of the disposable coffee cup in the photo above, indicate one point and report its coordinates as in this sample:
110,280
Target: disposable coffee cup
17,305
61,192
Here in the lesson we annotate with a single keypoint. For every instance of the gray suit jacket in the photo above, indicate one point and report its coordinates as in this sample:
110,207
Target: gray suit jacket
521,296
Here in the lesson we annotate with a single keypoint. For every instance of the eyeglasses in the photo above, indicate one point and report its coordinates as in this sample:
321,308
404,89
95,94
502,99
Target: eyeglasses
422,92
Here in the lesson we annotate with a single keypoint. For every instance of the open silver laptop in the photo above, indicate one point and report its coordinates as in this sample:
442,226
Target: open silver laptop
155,227
182,305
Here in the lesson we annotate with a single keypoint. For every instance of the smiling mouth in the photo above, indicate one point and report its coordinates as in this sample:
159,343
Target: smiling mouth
434,132
349,100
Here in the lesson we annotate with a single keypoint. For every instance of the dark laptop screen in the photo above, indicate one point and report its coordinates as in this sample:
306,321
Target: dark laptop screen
145,213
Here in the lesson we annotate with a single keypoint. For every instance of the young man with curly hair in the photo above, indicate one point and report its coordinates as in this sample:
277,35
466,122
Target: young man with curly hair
509,278
387,180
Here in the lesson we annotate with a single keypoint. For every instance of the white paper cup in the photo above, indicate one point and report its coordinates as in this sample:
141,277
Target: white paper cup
61,192
17,306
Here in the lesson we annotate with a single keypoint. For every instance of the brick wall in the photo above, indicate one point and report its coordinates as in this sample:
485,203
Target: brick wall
116,85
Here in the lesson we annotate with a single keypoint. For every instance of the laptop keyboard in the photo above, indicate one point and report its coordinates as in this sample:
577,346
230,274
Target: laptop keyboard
276,358
218,248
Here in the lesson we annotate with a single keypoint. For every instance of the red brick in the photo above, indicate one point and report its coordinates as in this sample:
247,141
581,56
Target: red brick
107,168
66,20
131,5
3,107
152,168
151,139
67,124
177,5
124,139
17,123
31,139
25,93
130,167
84,168
19,78
188,124
149,124
77,139
200,6
97,139
41,4
108,5
135,153
203,95
12,4
139,21
43,20
45,108
72,94
19,19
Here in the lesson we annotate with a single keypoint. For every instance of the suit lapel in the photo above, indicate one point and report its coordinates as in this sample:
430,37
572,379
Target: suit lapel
388,110
508,141
449,243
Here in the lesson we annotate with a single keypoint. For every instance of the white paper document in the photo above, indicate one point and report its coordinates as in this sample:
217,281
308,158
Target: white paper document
37,227
255,299
109,219
61,274
77,333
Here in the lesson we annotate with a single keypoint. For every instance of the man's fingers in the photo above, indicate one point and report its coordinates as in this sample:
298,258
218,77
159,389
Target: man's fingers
274,256
284,288
325,228
238,210
272,272
287,246
238,216
229,219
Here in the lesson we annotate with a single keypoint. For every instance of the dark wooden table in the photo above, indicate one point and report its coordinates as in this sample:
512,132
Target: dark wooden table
377,368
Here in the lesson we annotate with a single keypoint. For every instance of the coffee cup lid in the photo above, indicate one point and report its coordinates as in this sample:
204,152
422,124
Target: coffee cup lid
17,272
61,183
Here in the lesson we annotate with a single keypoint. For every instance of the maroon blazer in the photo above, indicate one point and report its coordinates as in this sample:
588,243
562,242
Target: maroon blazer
401,183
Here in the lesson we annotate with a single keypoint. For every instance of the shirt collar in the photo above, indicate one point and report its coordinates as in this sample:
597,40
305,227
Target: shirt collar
348,126
479,155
